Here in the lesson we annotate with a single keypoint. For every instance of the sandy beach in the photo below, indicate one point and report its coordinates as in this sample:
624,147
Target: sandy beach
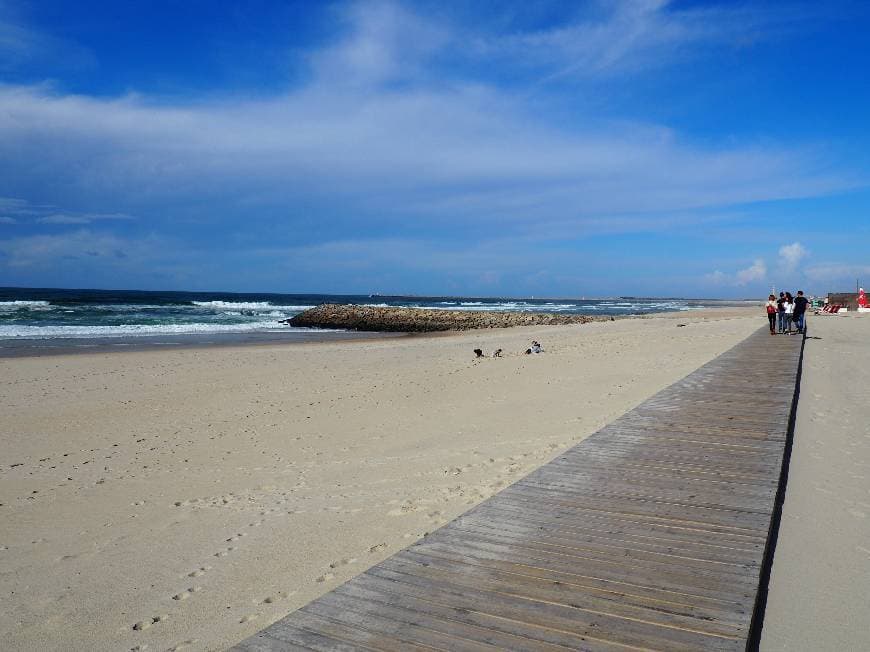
184,499
819,597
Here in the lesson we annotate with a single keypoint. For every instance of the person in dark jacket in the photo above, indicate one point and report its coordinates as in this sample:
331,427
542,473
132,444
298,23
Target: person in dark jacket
800,311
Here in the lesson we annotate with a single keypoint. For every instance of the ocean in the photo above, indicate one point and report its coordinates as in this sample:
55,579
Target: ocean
33,319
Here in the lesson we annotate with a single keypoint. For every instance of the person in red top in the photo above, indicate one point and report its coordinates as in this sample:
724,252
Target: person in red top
771,313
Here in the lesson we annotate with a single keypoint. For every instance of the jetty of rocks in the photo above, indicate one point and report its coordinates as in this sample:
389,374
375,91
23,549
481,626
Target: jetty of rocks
421,320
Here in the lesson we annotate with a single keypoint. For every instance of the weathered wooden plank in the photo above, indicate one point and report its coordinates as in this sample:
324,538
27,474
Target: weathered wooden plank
644,454
674,579
721,515
382,631
441,621
296,635
699,471
621,530
623,556
559,591
264,643
539,637
654,481
651,534
588,541
652,488
578,620
727,523
637,594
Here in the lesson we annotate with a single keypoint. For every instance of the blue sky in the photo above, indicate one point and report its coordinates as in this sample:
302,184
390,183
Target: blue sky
481,148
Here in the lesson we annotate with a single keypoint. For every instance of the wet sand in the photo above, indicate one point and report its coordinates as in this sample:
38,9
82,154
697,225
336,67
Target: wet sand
30,347
184,499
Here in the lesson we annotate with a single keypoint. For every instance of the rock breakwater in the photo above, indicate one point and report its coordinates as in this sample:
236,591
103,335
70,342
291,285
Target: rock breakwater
421,320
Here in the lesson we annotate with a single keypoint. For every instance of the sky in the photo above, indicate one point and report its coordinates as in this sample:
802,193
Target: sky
486,148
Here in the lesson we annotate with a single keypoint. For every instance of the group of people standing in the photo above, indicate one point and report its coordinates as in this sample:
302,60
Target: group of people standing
787,311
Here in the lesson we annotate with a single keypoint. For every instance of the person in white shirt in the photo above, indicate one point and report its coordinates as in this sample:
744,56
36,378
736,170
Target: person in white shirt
789,311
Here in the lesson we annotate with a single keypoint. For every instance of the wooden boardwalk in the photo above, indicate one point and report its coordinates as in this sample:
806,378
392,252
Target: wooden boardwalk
653,534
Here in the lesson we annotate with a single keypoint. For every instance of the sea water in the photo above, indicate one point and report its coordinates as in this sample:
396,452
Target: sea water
51,317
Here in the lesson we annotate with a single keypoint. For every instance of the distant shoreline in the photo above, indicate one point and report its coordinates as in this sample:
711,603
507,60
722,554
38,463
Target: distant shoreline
31,347
33,320
9,290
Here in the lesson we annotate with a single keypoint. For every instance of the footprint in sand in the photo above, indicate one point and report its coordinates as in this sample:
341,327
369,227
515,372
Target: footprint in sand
145,624
184,645
248,618
236,537
377,548
281,595
184,595
199,572
224,553
325,578
407,508
343,562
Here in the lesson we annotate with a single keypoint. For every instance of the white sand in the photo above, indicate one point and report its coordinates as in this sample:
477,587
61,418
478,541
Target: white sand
205,493
820,584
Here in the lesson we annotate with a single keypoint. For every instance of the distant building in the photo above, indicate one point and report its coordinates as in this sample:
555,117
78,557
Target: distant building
846,299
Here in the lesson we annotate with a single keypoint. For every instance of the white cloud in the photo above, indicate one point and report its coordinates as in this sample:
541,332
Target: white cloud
843,274
631,35
791,255
385,42
12,204
373,133
17,42
84,256
447,153
40,250
717,277
28,213
21,44
84,218
755,272
62,219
